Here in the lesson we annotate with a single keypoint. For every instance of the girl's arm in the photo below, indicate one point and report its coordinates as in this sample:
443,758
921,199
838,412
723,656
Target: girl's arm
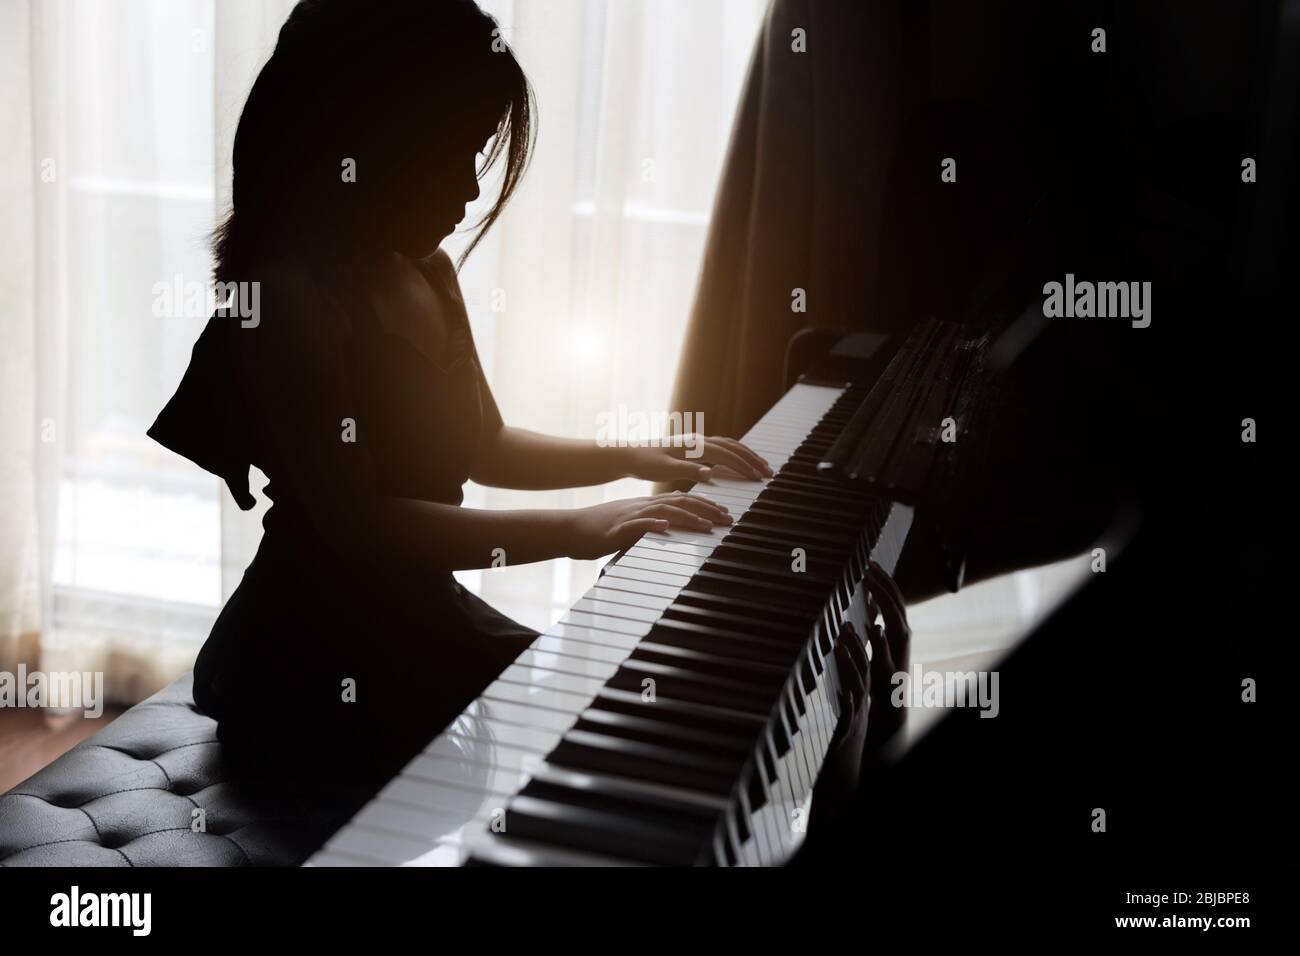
516,458
298,402
456,538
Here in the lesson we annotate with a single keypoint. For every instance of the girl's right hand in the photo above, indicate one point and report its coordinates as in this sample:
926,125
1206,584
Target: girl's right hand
603,529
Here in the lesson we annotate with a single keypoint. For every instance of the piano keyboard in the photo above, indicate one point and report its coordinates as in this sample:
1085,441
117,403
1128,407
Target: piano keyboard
680,711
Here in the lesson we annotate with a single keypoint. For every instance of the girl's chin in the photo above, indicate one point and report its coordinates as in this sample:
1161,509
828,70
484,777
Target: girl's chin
425,246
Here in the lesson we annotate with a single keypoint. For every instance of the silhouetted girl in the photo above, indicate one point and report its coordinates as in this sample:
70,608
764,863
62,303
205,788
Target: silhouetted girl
357,390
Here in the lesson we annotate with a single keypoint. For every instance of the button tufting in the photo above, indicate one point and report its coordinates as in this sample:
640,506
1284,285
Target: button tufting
35,828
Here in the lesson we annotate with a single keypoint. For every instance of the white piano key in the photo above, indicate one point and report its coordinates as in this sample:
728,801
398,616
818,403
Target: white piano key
338,858
554,644
446,853
606,622
657,564
551,707
566,664
668,545
612,609
505,850
703,539
740,486
735,503
419,824
650,602
463,800
637,587
622,570
587,687
480,735
595,636
444,750
495,779
383,847
512,713
690,562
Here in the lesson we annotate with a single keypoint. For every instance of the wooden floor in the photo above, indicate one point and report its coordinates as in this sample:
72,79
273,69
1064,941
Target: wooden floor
31,739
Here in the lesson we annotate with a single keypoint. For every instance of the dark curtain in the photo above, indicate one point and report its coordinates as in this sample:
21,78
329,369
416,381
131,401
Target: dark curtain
799,204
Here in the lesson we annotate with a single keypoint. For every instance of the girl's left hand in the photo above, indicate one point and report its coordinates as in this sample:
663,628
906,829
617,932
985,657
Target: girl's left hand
692,458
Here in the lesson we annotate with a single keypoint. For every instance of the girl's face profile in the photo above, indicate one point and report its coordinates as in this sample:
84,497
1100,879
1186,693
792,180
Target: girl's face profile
377,151
431,179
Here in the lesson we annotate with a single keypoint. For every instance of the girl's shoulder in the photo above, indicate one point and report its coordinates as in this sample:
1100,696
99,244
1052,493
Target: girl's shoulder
441,271
439,263
297,302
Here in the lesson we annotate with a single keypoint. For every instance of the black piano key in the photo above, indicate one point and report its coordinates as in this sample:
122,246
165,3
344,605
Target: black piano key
797,757
806,502
691,634
797,475
756,790
669,766
843,516
786,537
702,807
754,605
603,831
704,716
749,625
713,661
761,574
665,733
724,852
778,784
735,585
682,684
603,753
827,533
779,732
784,542
739,547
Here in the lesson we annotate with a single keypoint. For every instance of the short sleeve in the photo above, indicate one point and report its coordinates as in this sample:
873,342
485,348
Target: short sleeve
201,421
442,273
304,418
277,393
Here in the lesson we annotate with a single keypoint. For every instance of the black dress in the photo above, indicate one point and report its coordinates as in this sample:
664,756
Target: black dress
333,651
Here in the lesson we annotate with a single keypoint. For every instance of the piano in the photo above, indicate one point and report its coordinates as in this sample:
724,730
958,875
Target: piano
680,711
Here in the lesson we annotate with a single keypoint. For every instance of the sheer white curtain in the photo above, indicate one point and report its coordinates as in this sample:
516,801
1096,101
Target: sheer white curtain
107,547
115,555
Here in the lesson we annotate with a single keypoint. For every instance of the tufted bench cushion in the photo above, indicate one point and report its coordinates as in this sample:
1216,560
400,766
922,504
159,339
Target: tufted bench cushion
127,795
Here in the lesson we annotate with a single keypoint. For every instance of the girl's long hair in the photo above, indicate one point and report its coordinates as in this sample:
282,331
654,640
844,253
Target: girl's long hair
346,78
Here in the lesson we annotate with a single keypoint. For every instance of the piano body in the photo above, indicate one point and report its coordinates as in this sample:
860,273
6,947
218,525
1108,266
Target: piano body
680,711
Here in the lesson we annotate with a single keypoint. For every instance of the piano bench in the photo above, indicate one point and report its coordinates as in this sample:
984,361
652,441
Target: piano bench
127,797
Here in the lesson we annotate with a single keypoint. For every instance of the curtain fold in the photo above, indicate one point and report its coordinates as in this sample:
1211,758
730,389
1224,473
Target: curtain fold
33,317
20,568
793,240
